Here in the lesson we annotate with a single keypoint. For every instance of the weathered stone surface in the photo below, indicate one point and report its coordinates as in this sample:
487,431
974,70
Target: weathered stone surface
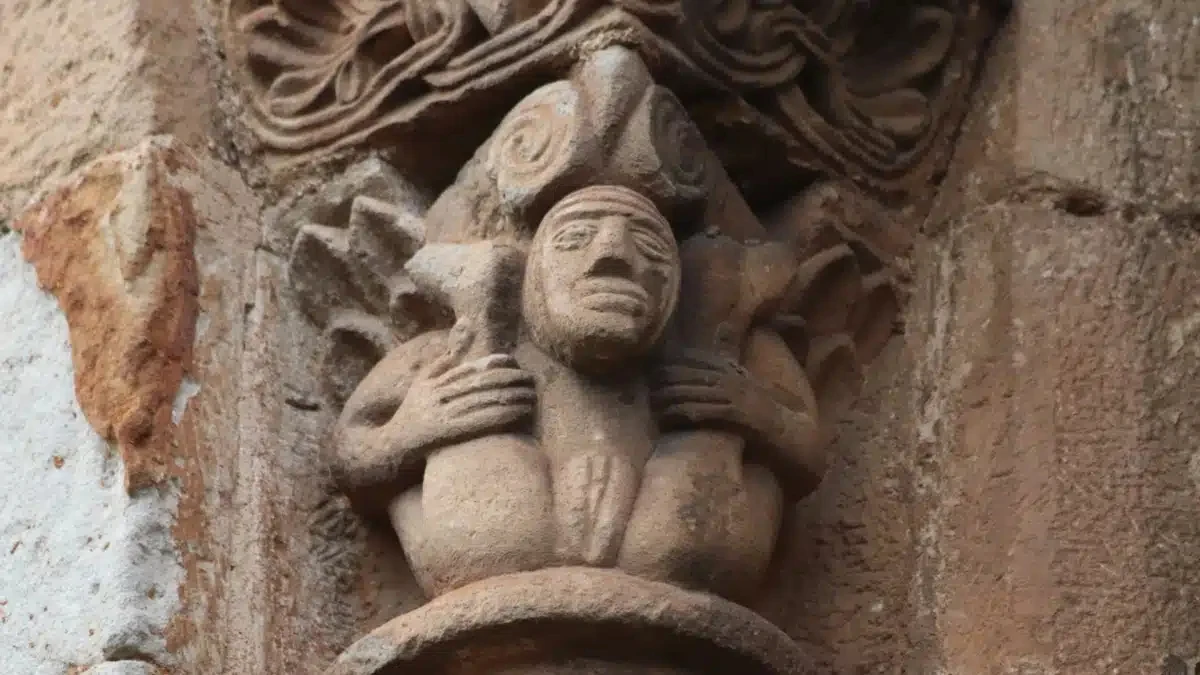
1105,94
88,572
85,78
158,186
1016,493
648,396
1056,506
1056,477
869,91
122,668
115,245
208,454
588,622
842,585
1100,95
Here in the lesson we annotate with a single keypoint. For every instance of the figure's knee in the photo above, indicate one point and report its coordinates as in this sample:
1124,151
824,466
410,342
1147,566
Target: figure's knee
408,520
488,503
700,528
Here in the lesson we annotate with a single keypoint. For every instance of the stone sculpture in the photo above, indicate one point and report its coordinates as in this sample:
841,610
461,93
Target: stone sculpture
584,384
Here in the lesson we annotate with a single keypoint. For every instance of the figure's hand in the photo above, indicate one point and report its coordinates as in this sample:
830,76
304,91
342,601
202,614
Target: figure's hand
701,388
453,401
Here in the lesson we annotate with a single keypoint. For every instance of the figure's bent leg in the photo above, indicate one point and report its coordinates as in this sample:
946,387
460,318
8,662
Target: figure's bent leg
489,506
408,519
702,520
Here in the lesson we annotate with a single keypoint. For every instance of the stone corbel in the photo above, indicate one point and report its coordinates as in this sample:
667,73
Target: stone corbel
585,381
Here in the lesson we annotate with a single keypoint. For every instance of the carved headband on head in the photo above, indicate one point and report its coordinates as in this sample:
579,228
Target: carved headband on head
594,200
608,199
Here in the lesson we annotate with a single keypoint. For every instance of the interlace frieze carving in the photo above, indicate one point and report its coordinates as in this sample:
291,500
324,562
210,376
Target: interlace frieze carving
858,88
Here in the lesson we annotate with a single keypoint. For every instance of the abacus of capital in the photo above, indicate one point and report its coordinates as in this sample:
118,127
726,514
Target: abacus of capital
584,383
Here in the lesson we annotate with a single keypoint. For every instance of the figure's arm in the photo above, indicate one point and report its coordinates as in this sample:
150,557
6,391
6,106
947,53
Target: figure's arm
789,437
421,398
372,451
767,401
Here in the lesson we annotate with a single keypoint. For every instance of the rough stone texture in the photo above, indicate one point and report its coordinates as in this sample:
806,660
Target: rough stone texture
1016,493
209,453
115,245
589,622
1057,512
841,583
868,91
88,572
1105,94
1098,94
122,668
1056,432
152,198
83,78
572,420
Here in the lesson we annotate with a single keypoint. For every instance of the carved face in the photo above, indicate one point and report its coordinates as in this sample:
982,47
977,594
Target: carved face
602,277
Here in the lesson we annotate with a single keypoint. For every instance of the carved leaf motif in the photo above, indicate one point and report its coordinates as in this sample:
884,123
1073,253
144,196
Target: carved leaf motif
348,277
322,66
843,307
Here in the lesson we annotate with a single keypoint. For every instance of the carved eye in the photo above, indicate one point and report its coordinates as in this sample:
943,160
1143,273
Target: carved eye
574,236
651,245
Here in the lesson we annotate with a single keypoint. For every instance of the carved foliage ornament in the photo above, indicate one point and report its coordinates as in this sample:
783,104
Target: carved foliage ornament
591,378
863,88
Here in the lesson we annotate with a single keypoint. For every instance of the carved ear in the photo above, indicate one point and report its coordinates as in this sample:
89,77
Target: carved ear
827,287
835,374
873,319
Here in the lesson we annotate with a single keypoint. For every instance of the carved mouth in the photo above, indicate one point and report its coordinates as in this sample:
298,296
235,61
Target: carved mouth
613,295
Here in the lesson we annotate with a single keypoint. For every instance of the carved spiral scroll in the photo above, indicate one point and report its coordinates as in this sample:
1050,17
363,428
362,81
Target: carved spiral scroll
678,142
753,43
538,145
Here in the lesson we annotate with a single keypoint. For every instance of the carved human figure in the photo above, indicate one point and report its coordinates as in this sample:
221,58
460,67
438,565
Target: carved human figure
552,453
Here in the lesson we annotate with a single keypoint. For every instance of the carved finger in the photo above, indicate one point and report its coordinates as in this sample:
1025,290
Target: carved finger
497,398
491,420
702,358
677,375
491,361
488,380
678,394
698,412
458,342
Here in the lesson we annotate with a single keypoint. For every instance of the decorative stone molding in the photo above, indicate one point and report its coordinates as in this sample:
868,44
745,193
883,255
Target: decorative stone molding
584,382
859,88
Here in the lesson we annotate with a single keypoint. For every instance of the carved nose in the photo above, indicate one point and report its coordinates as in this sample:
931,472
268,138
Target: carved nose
613,250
